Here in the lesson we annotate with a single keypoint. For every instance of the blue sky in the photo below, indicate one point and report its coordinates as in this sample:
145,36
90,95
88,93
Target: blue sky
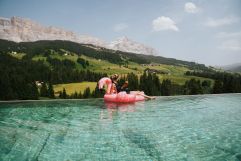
204,31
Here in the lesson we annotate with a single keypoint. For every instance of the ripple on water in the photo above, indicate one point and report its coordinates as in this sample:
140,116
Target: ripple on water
204,127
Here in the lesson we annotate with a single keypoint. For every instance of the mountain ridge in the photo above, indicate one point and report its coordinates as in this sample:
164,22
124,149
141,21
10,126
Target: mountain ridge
232,67
19,29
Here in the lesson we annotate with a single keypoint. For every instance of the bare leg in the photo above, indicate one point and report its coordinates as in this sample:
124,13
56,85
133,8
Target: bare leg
148,97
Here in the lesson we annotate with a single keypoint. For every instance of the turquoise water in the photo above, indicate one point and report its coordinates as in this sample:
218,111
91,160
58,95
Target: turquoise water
206,127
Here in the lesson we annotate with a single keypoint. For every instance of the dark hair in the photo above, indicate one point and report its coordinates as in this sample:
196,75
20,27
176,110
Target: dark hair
114,77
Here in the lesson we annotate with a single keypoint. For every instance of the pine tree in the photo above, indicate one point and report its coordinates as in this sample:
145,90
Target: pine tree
217,87
34,92
142,82
87,93
87,63
166,87
206,87
75,95
64,95
150,84
132,81
50,91
157,85
97,93
6,90
60,94
80,96
193,87
44,90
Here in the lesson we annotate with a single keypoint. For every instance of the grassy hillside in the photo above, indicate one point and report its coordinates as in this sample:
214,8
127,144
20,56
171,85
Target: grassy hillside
101,60
116,57
75,67
181,79
174,73
100,65
74,87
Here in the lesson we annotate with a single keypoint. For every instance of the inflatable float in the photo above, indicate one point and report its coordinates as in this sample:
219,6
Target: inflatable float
121,97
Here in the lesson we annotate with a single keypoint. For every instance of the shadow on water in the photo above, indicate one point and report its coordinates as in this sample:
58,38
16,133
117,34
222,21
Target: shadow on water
43,146
50,103
8,142
144,142
238,157
229,151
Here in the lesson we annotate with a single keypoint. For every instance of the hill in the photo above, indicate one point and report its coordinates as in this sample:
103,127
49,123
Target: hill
117,57
63,63
233,67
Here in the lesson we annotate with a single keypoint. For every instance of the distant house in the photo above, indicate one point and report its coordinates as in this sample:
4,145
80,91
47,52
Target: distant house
150,65
38,84
152,71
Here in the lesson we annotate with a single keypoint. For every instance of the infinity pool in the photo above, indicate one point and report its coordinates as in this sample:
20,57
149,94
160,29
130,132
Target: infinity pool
206,127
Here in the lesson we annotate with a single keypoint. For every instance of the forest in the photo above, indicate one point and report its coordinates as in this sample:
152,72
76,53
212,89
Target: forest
117,57
19,76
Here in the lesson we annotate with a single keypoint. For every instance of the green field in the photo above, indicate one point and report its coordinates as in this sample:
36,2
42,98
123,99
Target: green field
182,79
99,65
74,87
77,87
17,55
175,73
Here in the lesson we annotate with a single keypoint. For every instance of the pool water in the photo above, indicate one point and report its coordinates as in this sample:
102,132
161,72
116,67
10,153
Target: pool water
206,127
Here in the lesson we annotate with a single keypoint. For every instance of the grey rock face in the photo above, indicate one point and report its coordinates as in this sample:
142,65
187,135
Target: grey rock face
24,30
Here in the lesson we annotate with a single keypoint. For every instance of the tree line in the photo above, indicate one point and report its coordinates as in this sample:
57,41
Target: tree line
224,82
79,95
151,85
18,80
117,57
64,71
18,77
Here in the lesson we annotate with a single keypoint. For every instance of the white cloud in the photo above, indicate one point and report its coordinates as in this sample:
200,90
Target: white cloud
231,45
191,8
229,34
164,23
231,41
120,27
221,22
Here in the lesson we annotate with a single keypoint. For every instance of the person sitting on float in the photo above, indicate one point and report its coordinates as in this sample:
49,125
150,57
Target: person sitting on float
124,87
114,79
116,88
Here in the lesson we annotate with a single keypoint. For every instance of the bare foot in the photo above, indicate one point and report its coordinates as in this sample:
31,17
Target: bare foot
151,98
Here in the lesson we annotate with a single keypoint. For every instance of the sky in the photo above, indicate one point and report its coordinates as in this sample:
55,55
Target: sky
203,31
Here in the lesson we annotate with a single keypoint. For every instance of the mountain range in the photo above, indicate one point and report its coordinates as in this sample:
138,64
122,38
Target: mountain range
233,67
19,29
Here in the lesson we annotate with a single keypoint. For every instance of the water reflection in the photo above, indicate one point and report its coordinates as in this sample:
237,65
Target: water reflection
168,128
114,108
123,107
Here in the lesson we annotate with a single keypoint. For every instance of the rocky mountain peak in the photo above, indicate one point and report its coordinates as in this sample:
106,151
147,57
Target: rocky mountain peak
128,45
23,30
19,29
